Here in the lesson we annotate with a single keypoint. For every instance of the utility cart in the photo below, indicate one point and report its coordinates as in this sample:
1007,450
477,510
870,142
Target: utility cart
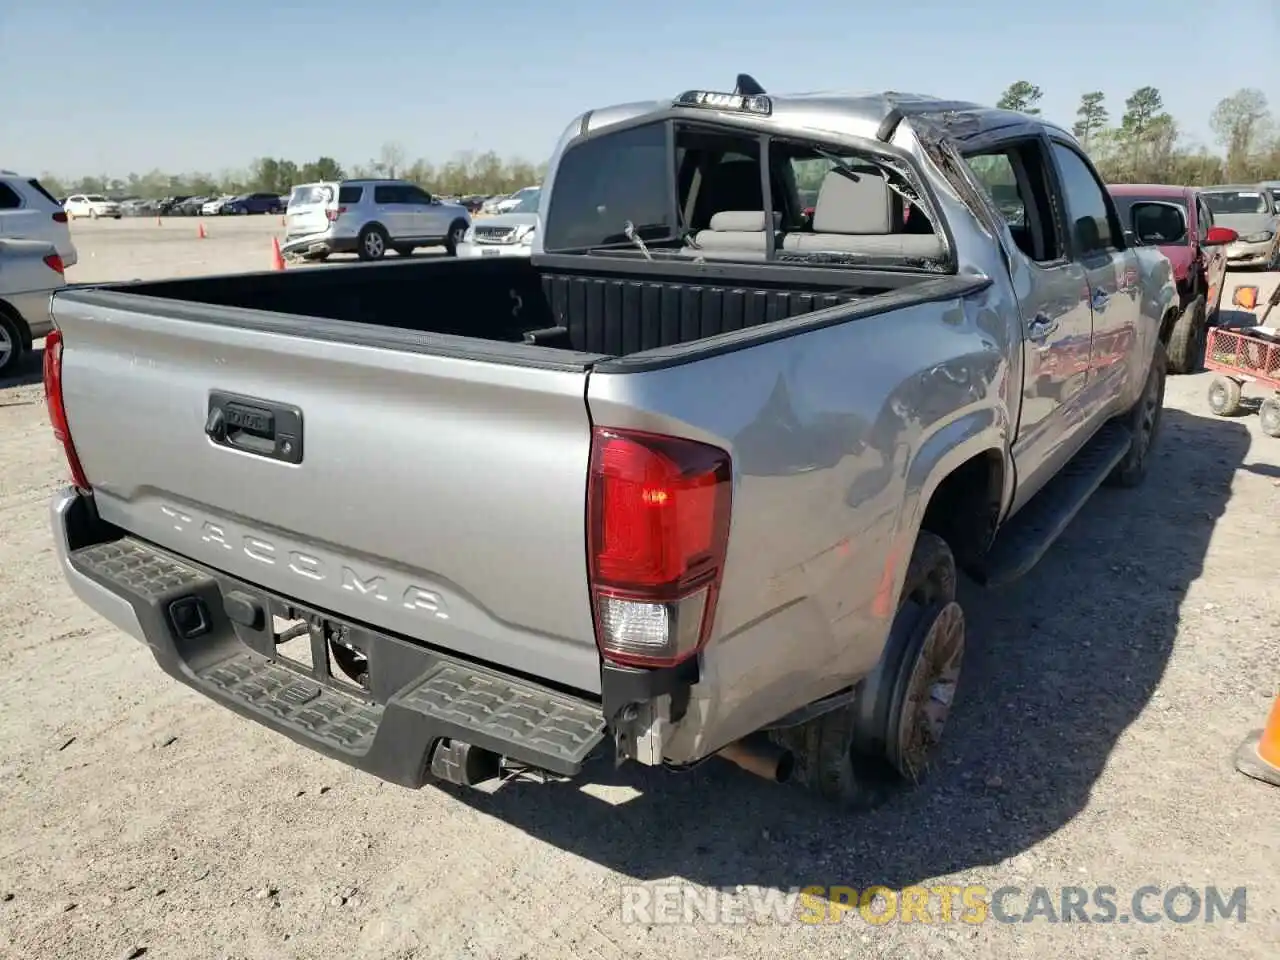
1246,356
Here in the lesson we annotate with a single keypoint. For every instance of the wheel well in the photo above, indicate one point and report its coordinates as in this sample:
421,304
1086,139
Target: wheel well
12,315
1168,323
965,507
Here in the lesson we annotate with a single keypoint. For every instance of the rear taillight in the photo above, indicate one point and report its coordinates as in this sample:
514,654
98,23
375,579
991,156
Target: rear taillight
60,217
658,526
335,213
57,409
54,262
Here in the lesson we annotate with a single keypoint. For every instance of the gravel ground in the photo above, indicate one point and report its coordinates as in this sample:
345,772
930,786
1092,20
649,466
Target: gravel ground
1103,700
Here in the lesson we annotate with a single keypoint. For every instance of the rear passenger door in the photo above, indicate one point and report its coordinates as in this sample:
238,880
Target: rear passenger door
391,210
1096,242
1053,298
427,216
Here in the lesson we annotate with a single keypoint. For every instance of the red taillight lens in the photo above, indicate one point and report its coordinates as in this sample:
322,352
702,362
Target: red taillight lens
60,217
658,528
56,407
335,213
54,262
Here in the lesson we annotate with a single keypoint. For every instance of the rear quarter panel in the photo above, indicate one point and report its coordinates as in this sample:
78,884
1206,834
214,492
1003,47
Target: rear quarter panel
838,436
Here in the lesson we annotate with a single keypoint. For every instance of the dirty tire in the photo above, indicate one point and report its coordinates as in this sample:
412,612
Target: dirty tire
372,242
1224,397
1185,350
11,345
1143,421
861,755
1269,416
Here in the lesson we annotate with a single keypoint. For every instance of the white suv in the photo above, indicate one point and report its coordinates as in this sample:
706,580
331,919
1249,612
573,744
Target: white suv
368,218
29,212
92,205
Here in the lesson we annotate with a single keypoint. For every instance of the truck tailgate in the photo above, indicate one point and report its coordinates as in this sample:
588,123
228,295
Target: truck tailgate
437,497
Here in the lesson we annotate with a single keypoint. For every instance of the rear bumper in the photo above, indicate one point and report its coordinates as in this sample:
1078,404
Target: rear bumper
318,243
214,634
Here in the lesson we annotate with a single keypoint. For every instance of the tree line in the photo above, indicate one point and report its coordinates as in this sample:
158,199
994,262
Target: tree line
1146,146
466,174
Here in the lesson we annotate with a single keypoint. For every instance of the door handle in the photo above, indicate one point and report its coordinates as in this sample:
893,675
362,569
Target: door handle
1041,328
260,427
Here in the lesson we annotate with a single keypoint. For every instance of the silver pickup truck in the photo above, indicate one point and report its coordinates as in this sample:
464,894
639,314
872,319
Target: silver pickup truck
695,479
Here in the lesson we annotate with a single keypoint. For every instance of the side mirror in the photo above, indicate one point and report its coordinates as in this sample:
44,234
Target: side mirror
1158,223
1220,237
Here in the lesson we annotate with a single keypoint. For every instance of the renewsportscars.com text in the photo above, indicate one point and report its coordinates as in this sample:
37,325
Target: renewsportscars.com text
942,904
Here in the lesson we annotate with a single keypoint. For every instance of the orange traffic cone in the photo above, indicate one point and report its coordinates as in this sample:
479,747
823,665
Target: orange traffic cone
277,261
200,233
1259,755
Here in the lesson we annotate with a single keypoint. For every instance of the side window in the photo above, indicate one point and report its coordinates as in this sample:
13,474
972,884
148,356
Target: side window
9,199
386,194
994,171
417,195
1086,203
605,182
1204,220
1015,179
349,195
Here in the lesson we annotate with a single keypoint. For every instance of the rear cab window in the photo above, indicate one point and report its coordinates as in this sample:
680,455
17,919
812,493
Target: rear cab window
700,189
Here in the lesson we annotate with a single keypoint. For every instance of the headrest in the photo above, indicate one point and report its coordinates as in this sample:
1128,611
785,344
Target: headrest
742,221
861,206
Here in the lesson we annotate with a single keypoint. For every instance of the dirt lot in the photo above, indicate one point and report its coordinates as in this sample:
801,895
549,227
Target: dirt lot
1103,700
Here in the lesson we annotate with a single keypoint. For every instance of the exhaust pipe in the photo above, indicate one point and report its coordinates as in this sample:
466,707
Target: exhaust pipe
462,763
760,757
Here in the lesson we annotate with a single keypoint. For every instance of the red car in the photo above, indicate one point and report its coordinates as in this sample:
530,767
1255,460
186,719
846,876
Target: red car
1181,224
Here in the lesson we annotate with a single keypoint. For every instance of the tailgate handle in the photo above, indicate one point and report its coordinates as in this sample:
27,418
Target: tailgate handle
259,427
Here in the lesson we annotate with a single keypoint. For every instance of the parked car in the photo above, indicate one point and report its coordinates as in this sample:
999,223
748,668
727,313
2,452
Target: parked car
213,207
368,218
30,270
191,207
1178,219
507,204
254,203
670,488
92,205
29,212
504,234
1251,211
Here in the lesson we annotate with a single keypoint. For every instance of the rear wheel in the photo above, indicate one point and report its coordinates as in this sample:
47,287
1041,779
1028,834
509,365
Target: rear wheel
11,345
859,755
1224,397
1269,416
1143,420
372,243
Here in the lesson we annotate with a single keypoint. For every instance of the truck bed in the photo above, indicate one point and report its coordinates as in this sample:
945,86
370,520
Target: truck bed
616,310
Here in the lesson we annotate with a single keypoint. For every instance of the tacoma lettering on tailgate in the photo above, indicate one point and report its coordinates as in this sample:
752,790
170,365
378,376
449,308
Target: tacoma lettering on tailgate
308,566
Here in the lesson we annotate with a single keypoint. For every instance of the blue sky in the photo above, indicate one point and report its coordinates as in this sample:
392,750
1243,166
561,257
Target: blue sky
106,88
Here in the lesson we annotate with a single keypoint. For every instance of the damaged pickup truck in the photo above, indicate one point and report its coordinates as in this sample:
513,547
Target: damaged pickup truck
695,479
